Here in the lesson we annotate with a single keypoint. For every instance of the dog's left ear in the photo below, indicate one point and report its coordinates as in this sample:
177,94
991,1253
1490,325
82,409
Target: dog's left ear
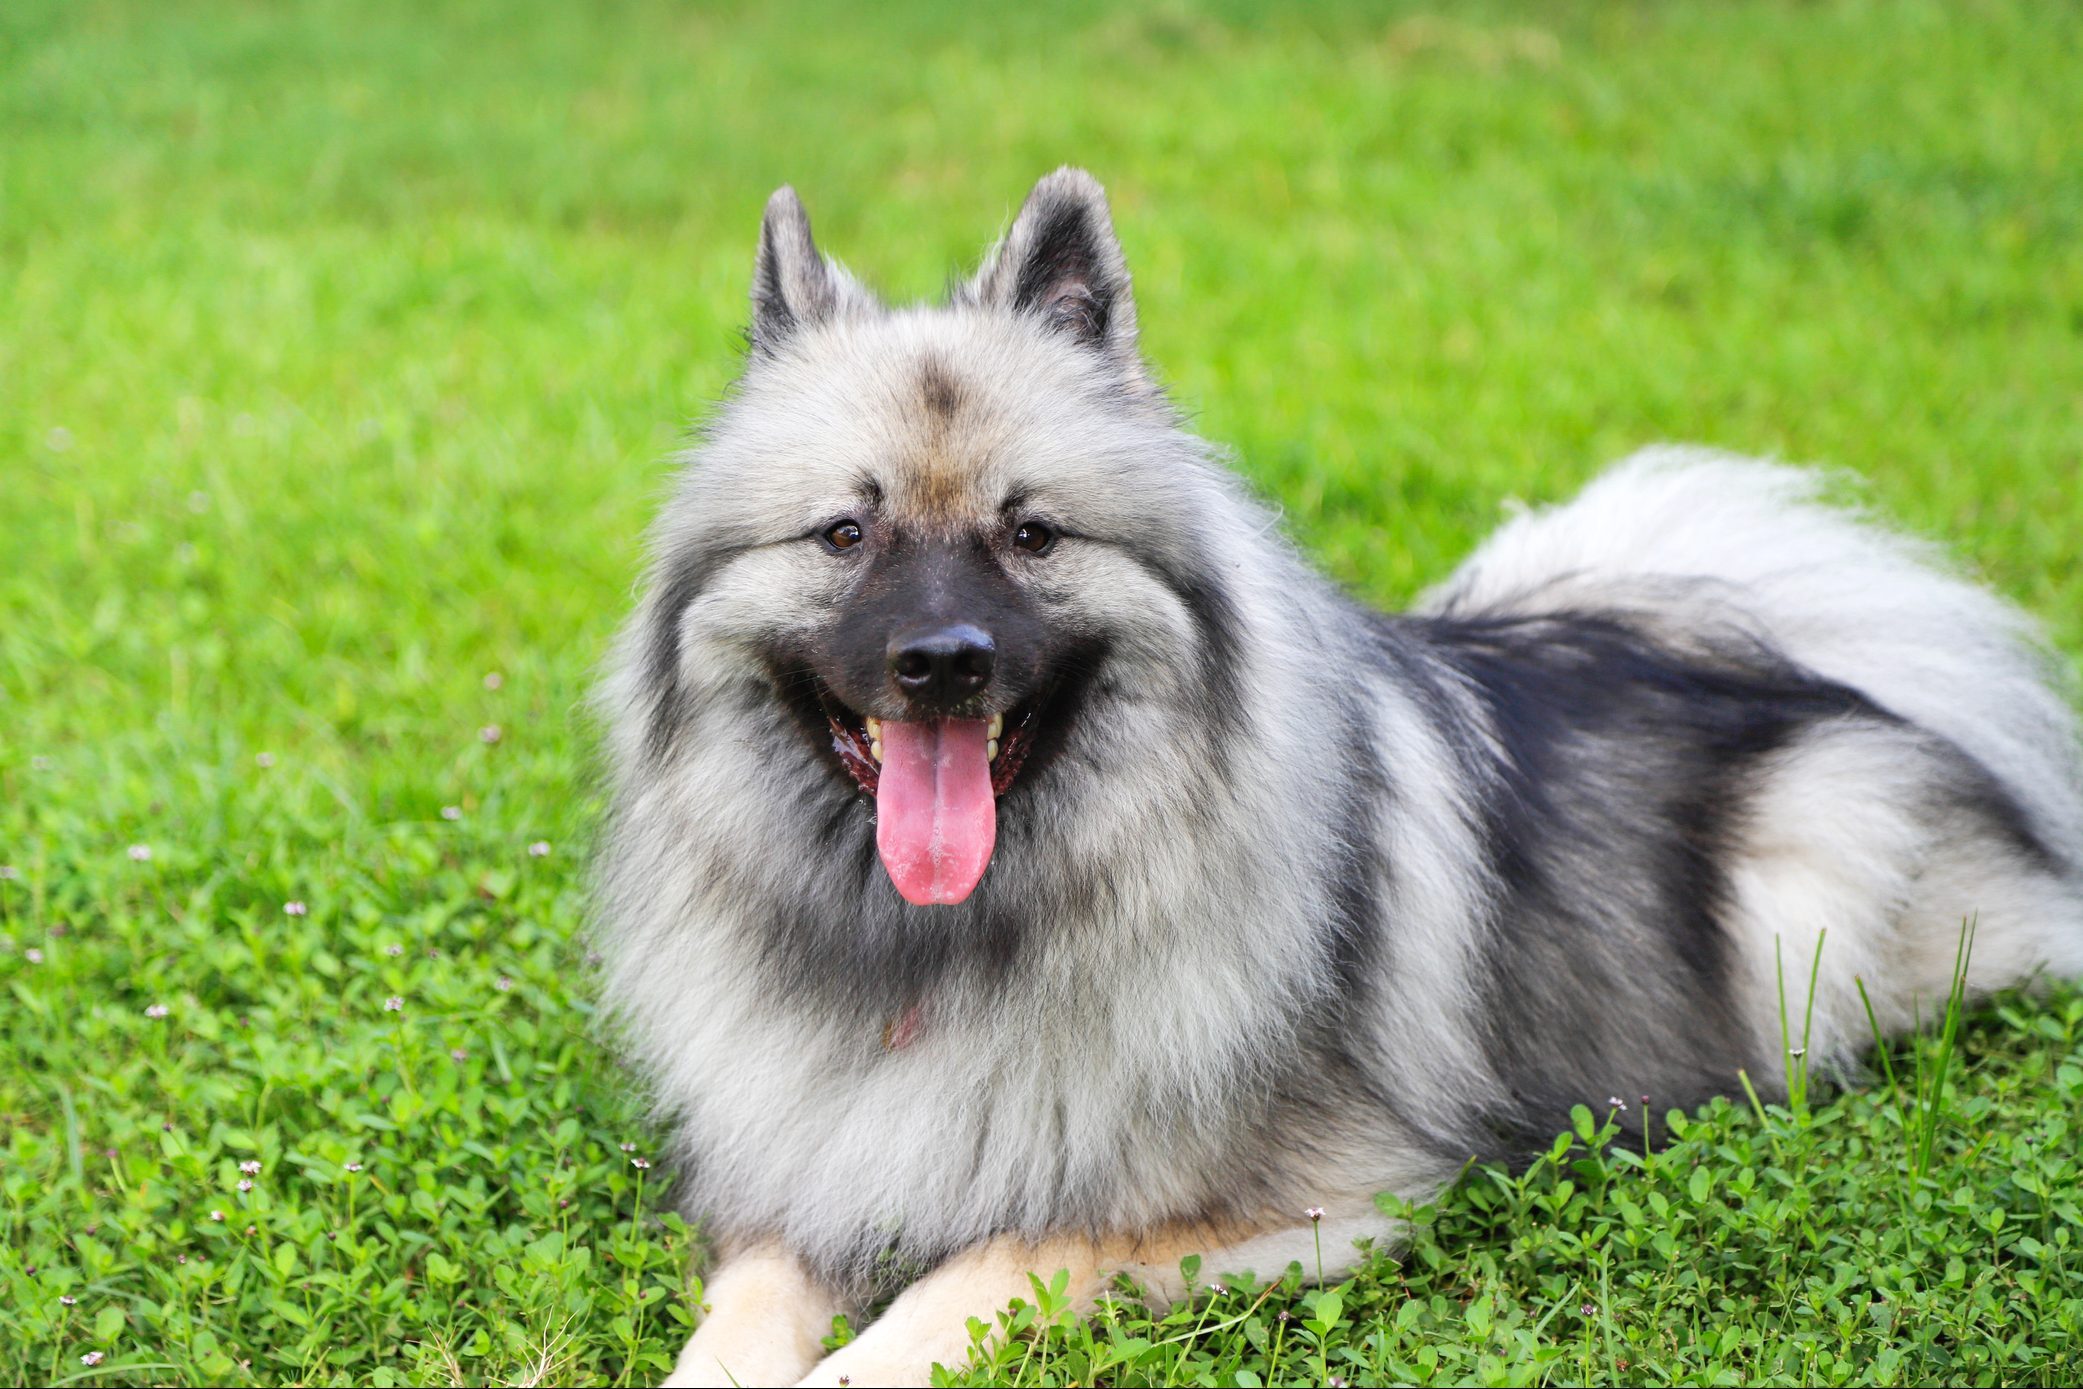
1062,262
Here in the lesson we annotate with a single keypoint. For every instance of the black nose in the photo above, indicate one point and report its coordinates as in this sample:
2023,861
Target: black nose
942,665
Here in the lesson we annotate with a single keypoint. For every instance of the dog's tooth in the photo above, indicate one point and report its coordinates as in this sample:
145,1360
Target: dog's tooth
991,751
997,726
874,729
875,749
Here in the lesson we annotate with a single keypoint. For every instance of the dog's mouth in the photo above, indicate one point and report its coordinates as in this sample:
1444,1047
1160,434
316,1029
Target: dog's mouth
936,783
857,740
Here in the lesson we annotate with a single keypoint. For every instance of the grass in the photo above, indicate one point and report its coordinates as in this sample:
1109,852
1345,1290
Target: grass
341,349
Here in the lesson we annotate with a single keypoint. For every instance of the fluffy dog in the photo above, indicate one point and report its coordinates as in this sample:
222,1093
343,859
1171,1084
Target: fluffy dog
1020,860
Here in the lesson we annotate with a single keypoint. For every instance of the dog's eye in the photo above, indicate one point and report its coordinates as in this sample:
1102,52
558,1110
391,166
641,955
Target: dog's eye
844,536
1034,537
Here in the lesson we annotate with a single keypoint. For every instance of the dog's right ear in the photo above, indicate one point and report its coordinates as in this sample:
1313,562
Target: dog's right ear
793,286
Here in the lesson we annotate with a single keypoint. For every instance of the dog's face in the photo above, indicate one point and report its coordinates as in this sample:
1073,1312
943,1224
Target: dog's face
936,534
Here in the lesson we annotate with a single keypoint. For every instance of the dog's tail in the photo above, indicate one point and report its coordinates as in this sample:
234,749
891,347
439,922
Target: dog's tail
1688,536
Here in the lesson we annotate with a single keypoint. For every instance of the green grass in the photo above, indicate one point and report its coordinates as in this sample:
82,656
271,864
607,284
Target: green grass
341,349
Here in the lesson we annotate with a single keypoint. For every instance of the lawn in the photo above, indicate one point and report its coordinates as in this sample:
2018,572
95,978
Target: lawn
343,348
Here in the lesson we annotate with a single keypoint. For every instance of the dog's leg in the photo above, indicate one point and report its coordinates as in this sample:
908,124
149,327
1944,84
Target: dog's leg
766,1318
929,1323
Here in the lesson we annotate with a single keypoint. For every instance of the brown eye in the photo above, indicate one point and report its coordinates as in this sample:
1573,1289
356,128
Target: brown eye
844,536
1034,537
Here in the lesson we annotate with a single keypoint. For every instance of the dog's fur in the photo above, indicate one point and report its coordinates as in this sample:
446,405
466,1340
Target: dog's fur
1293,902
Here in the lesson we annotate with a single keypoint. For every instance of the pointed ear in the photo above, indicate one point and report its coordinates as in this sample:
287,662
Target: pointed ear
792,285
1062,262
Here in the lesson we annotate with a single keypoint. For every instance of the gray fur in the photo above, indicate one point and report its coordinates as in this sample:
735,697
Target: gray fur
1311,902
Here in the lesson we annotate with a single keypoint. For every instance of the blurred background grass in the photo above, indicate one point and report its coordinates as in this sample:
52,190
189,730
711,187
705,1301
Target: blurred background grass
345,342
343,346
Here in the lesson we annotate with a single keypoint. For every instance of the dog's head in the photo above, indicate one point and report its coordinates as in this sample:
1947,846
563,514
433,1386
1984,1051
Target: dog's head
938,534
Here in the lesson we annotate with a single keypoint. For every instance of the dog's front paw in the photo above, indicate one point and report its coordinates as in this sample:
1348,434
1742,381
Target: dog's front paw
717,1361
892,1365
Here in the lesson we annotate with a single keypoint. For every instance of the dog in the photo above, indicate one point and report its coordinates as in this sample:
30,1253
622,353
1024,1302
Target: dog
1018,859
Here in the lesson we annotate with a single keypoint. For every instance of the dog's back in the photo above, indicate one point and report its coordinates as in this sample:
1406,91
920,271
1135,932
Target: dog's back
1944,789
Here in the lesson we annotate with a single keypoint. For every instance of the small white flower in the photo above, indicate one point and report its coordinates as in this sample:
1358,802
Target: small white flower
353,1166
8,872
490,733
263,759
394,1004
295,909
217,1216
251,1167
157,1010
638,1163
140,852
493,680
539,849
451,812
33,955
92,1357
245,1184
1315,1214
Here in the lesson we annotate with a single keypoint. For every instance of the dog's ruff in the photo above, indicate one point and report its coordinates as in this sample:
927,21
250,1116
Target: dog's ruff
1288,903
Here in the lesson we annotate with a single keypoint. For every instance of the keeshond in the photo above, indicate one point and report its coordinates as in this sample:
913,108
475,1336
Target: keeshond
1019,859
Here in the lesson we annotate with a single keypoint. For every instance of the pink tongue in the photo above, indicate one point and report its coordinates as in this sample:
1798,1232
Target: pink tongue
935,816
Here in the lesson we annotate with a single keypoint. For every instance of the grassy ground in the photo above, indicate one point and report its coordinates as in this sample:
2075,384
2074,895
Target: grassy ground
340,350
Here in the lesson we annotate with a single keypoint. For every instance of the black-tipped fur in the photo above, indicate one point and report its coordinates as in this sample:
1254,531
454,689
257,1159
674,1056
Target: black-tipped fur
1616,776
